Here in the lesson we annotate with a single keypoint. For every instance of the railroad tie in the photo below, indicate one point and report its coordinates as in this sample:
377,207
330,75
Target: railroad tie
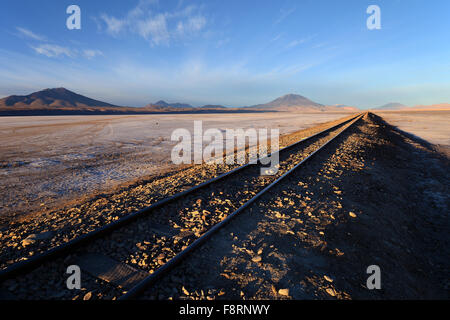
117,273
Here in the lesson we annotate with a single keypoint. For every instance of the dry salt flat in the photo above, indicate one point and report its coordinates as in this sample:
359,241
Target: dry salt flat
48,160
432,126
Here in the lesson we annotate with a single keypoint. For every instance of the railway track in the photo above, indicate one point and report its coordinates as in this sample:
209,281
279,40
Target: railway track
121,259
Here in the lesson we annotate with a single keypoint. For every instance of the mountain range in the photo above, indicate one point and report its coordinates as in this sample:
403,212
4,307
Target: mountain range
59,101
295,102
395,106
57,98
162,105
62,101
391,106
54,102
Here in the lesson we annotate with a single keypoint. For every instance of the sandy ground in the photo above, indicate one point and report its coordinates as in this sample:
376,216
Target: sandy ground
46,161
432,126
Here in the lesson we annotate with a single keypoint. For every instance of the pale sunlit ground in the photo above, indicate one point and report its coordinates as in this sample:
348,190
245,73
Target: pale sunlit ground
48,160
433,126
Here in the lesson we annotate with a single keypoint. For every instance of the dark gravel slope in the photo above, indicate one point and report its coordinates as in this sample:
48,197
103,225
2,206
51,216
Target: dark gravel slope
375,196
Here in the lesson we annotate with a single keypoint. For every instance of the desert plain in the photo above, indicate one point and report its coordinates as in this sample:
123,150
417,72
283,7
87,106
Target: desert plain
90,166
46,161
432,126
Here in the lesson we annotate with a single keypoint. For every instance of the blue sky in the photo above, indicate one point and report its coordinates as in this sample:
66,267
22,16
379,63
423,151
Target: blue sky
229,52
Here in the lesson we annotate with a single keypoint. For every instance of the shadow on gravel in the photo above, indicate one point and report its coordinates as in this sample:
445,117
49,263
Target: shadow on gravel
374,196
407,135
394,214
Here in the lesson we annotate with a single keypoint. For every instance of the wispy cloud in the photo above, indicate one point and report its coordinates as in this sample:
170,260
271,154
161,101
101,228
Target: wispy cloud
156,27
191,25
284,13
319,45
153,29
277,37
53,50
222,42
297,68
92,53
297,42
113,25
29,34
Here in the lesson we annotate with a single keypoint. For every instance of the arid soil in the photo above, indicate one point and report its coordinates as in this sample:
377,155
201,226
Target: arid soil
37,232
375,196
47,161
155,238
432,126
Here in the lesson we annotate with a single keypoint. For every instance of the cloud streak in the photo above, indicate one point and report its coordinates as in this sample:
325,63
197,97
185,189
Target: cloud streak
156,28
92,53
53,50
29,34
284,13
297,42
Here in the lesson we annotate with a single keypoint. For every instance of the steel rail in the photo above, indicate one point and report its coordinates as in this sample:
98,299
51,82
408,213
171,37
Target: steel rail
35,260
161,271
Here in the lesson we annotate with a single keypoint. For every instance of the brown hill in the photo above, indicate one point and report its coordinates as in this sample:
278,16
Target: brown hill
295,102
391,106
401,107
433,107
59,101
52,98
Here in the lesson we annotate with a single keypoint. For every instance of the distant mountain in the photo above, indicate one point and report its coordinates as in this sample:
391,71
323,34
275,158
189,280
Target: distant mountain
160,103
434,107
59,101
344,107
213,106
164,104
391,106
286,101
295,102
400,107
52,98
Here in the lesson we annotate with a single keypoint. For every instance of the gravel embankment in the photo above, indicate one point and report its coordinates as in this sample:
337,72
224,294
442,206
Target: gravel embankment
139,245
40,231
375,196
